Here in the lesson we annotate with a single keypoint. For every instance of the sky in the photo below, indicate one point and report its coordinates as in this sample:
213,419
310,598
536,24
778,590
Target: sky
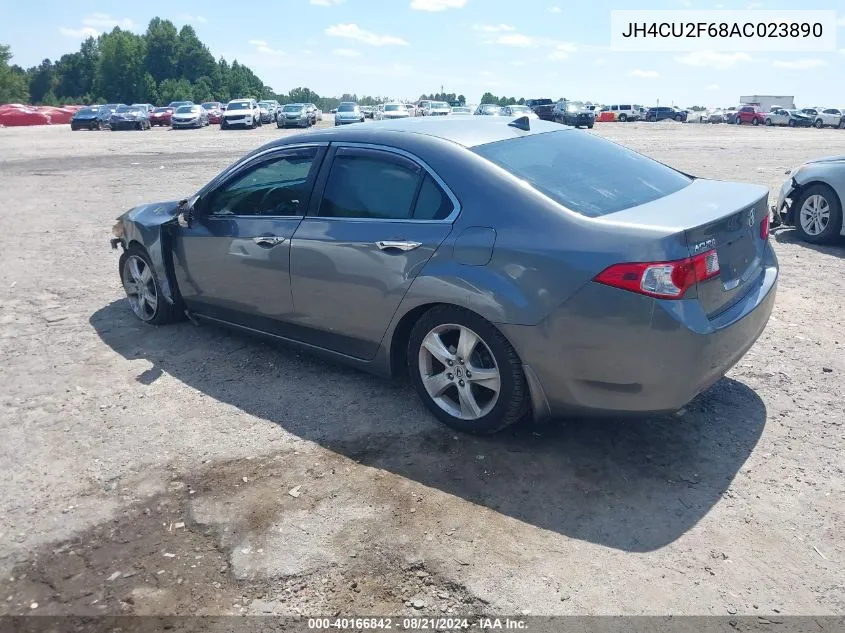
404,48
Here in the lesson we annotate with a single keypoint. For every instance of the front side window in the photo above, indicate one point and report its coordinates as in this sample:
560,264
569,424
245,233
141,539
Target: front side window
583,172
275,187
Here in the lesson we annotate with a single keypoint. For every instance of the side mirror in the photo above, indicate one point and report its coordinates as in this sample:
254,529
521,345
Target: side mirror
185,216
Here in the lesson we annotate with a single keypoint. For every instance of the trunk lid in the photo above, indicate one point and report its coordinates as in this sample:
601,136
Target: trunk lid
725,216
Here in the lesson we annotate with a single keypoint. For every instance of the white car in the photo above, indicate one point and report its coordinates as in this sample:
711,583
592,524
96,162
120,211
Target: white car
829,117
624,112
436,108
519,111
392,111
411,108
241,112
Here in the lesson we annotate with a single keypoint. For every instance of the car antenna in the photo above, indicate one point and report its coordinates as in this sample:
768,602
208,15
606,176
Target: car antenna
521,123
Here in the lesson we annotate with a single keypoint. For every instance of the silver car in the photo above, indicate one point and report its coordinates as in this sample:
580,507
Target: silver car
294,115
189,116
392,111
348,112
811,200
510,267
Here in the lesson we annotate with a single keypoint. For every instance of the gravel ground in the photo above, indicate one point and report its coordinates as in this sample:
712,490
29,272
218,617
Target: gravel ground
186,469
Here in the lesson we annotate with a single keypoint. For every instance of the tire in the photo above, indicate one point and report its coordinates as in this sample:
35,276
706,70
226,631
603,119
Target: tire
223,125
755,121
650,119
163,312
791,123
493,411
590,127
623,118
834,220
678,118
818,124
768,123
842,124
738,121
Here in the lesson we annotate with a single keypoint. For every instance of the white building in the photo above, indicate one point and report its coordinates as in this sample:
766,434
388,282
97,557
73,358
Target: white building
767,101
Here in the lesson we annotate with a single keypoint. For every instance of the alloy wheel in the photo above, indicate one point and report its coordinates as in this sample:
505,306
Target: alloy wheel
459,371
140,287
814,215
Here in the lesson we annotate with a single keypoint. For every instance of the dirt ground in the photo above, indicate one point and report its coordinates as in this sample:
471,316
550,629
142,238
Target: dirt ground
186,469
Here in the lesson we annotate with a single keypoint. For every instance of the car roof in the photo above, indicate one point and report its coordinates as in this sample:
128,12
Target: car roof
467,133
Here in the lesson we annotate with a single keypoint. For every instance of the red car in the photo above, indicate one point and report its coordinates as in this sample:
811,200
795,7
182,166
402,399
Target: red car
750,114
161,116
215,111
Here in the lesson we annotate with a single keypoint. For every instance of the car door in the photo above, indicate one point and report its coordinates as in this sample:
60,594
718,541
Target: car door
232,262
380,217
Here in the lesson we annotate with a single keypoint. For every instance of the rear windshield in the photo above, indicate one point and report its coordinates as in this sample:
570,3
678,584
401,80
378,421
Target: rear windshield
347,107
537,102
583,172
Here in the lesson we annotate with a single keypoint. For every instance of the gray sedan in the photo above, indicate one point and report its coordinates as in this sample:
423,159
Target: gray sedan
811,200
510,266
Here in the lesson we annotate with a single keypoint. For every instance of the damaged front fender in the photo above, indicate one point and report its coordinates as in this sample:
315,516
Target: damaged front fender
145,226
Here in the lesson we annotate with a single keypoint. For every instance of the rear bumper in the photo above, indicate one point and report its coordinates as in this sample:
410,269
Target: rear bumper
645,356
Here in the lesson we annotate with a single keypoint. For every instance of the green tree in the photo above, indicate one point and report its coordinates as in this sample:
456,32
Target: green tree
203,90
121,72
489,97
193,58
163,48
13,84
175,90
42,80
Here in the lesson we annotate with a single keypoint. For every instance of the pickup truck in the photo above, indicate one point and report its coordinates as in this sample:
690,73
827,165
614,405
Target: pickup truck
543,108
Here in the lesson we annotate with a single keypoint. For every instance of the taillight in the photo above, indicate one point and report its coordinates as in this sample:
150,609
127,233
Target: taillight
664,280
764,227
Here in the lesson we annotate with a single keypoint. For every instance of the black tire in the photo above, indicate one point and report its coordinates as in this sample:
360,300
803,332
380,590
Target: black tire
738,121
818,124
842,124
834,225
768,123
678,118
513,399
755,121
165,312
590,127
623,118
791,123
223,124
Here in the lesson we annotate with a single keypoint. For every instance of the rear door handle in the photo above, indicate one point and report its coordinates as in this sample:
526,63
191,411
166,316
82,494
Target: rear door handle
268,241
388,245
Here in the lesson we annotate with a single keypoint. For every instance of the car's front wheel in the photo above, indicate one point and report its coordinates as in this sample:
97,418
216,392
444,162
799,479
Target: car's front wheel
466,372
819,215
768,123
623,117
142,288
755,121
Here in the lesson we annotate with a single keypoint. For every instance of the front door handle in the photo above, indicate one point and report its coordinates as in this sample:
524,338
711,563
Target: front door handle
268,241
398,245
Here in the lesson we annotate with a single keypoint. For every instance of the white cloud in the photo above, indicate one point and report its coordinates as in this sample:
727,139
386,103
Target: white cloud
82,33
437,5
94,24
346,52
104,21
187,17
355,32
712,87
275,52
712,59
258,43
555,9
326,3
492,28
644,74
516,39
800,64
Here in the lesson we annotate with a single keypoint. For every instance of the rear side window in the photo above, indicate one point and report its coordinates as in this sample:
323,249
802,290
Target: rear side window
432,203
584,173
366,183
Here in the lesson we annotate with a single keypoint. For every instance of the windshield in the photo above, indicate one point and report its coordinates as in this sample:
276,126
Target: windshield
347,107
211,105
88,111
392,108
292,108
583,172
186,109
136,110
439,104
238,105
122,108
518,108
490,109
461,109
162,109
542,102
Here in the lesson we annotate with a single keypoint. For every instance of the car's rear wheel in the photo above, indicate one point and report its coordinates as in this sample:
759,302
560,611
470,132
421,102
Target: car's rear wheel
755,121
738,121
678,118
818,124
466,372
623,118
768,123
819,217
791,123
142,289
